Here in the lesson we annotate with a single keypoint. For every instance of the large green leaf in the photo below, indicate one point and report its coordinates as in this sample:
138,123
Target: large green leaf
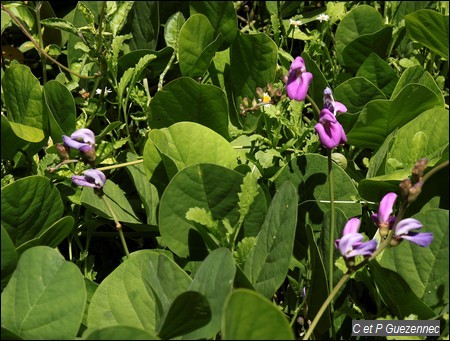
361,20
355,93
116,199
45,297
253,63
187,143
188,312
186,100
268,263
9,257
24,103
357,51
309,173
172,30
29,206
118,333
61,104
430,28
138,293
425,269
10,142
221,15
214,279
380,117
426,136
197,45
397,294
212,187
250,316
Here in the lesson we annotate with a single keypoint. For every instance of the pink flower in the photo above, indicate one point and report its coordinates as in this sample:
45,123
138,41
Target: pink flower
92,178
351,244
298,80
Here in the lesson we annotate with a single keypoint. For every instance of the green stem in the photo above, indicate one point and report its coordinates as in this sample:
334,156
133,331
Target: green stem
322,309
41,42
118,225
316,108
331,235
135,162
163,74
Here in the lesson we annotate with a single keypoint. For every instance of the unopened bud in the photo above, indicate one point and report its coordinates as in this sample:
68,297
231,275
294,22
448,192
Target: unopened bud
260,92
63,150
394,242
270,89
284,79
254,103
405,186
415,191
245,100
418,169
383,230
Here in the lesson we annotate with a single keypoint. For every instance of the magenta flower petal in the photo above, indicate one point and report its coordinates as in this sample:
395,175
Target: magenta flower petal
339,107
383,217
84,135
406,225
352,226
404,231
330,131
298,80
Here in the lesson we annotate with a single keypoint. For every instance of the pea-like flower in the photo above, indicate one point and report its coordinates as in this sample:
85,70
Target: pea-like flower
351,244
330,131
298,80
404,228
383,218
82,140
92,178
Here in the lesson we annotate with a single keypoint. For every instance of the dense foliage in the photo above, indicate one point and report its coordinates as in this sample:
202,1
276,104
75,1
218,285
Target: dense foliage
219,169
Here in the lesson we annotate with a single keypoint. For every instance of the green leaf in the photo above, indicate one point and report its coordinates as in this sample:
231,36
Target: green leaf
207,186
124,298
154,68
62,109
147,192
172,30
10,142
186,100
197,45
430,28
355,93
309,173
380,117
221,15
24,103
378,72
247,74
36,304
116,199
214,279
143,24
118,18
361,20
268,263
9,257
188,312
118,333
425,269
397,294
250,316
357,51
188,143
317,292
59,24
29,206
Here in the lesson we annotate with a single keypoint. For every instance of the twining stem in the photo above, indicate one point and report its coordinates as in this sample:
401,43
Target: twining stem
331,232
167,68
42,51
118,226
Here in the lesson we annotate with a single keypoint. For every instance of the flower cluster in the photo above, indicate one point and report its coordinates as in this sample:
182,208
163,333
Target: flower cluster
83,140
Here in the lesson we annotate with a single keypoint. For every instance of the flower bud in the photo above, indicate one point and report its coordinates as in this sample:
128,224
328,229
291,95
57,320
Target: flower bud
260,92
418,169
383,230
405,186
63,150
415,191
245,100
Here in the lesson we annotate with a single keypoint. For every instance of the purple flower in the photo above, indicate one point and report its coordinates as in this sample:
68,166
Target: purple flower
383,218
351,244
80,138
332,105
92,178
403,231
298,80
330,131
